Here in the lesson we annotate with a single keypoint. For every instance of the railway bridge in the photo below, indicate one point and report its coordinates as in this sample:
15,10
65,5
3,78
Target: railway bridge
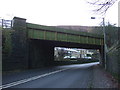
33,45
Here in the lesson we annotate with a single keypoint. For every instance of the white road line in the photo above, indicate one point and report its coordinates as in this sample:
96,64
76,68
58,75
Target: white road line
30,79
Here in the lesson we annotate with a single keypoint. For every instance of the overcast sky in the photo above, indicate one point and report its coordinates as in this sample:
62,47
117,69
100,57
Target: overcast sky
55,12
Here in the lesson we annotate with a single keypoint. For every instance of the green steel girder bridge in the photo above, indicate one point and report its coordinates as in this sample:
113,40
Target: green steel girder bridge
63,35
38,41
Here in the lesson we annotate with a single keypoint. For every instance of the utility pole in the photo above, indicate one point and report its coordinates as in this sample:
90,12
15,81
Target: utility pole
105,47
104,42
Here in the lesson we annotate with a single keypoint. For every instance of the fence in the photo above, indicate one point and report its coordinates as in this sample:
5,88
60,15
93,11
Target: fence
6,23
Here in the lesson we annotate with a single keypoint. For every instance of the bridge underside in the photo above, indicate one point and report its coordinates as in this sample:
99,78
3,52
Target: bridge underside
66,44
41,52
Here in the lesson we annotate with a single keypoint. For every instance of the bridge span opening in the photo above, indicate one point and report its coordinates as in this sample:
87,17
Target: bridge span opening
63,55
50,53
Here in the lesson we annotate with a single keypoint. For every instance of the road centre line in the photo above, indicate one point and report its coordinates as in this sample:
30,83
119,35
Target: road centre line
35,77
30,79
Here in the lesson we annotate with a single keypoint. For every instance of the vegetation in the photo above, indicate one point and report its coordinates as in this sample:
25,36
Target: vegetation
101,5
116,76
111,35
61,55
6,41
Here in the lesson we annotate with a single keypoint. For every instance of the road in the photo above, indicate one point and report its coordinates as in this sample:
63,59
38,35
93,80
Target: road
66,76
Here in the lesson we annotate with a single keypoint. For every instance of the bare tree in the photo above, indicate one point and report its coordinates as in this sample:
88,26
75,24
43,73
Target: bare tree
101,5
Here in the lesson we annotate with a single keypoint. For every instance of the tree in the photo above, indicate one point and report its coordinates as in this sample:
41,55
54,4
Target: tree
61,54
101,5
111,35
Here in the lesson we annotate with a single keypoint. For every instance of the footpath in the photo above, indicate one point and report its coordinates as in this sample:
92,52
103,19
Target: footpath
103,79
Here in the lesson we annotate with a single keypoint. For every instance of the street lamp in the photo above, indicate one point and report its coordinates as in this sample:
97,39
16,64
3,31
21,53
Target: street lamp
105,48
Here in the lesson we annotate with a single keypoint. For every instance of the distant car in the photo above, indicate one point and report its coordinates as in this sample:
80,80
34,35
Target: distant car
88,57
73,57
66,57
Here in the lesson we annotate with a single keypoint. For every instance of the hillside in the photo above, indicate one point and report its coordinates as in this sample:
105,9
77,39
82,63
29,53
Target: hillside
90,29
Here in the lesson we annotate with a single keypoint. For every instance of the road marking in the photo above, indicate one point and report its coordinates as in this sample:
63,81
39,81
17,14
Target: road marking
30,79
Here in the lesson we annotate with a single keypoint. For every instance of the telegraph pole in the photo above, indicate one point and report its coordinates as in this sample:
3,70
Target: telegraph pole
104,41
105,47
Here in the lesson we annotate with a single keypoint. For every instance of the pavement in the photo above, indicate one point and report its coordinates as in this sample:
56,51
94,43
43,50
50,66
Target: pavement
88,75
103,79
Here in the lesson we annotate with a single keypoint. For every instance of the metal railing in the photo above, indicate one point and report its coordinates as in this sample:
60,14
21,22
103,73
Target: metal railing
6,23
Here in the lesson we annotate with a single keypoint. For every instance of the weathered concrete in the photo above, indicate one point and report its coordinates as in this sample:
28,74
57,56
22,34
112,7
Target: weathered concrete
40,54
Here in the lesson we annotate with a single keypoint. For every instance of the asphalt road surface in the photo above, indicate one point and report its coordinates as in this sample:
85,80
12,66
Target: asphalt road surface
67,76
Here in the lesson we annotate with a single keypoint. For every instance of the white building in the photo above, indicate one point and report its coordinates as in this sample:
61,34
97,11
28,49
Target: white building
74,53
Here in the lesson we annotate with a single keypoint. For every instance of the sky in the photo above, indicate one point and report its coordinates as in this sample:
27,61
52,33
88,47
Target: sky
56,12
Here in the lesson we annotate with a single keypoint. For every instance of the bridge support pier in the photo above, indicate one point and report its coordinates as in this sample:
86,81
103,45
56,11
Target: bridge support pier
41,54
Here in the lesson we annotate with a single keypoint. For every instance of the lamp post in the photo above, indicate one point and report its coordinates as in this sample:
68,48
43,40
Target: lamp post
104,38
